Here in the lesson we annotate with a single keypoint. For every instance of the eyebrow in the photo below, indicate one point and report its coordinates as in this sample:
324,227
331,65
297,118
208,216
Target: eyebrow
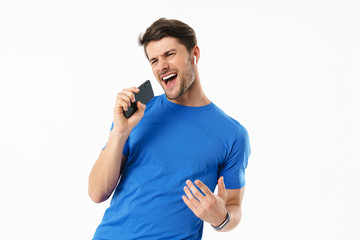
165,53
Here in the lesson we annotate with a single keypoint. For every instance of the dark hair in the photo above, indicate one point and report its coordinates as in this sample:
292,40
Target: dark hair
169,28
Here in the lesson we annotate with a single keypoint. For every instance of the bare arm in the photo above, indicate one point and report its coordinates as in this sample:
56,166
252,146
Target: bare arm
108,167
233,206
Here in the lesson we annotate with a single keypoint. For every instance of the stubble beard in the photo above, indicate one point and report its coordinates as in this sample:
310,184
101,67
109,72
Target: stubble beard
187,79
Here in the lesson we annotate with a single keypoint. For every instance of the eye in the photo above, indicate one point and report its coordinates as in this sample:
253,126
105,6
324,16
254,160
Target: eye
152,62
170,54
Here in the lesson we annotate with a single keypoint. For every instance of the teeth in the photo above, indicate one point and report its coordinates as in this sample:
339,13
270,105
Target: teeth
168,76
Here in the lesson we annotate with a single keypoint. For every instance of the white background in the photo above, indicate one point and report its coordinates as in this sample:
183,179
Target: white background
289,71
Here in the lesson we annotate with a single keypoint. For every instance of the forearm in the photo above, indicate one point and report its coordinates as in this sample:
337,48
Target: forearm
235,217
107,169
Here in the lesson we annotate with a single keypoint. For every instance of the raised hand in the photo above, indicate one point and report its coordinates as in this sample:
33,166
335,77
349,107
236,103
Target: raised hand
123,101
210,208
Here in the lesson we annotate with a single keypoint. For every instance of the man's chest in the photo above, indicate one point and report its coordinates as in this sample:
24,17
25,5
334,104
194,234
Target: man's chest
178,149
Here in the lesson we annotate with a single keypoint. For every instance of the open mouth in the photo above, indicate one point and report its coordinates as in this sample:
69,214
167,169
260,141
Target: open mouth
169,79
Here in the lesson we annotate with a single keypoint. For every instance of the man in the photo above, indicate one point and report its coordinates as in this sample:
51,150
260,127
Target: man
165,162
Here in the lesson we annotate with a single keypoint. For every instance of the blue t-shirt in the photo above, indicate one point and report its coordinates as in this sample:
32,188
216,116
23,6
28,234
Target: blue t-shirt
173,143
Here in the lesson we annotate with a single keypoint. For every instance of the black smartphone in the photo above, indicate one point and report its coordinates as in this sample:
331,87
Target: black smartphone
144,96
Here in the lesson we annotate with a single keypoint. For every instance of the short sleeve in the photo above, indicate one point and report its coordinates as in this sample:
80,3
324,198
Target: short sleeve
233,167
112,125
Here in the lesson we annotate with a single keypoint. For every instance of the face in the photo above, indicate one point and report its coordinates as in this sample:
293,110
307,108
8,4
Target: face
171,65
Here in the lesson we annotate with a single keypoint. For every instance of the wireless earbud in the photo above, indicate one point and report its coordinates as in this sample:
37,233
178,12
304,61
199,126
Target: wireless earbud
194,60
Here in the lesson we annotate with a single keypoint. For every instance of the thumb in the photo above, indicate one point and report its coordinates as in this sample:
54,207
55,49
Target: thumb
141,107
136,117
221,188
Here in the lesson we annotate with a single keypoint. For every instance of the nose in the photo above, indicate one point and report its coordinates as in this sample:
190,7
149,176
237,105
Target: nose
163,65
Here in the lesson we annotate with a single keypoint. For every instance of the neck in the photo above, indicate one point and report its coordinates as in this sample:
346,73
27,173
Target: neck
194,96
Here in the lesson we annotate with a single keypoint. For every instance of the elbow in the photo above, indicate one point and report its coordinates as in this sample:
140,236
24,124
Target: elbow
96,198
237,218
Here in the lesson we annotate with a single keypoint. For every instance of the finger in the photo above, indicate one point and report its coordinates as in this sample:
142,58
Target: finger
128,94
141,109
194,202
123,103
125,99
203,187
122,100
133,90
195,191
120,105
221,188
188,203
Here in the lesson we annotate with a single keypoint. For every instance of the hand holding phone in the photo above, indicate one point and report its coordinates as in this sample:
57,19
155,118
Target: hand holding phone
127,103
144,96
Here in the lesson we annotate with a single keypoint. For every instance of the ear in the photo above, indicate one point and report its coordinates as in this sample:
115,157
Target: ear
196,53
